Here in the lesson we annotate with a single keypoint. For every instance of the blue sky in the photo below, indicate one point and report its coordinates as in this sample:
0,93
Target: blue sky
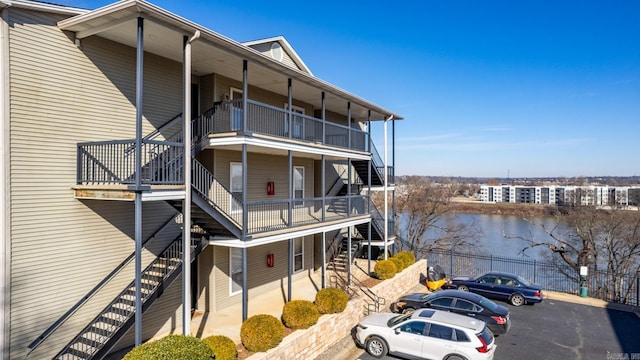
487,88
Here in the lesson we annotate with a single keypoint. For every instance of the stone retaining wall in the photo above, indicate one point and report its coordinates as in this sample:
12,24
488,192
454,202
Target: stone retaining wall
310,343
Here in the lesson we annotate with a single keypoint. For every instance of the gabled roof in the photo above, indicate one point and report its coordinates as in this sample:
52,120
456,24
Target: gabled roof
214,53
266,45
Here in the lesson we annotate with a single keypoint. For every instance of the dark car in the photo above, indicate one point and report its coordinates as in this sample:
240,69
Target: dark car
465,303
500,285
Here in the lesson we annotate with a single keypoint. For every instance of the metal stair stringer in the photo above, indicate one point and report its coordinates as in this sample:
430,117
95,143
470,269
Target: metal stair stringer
105,330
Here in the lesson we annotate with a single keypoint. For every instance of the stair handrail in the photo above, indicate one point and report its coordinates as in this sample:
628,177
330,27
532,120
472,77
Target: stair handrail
377,300
51,329
378,164
203,180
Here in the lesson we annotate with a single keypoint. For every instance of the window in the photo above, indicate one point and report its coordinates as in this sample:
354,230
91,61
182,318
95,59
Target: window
441,332
298,184
464,305
235,269
487,280
442,302
235,186
461,336
413,327
298,254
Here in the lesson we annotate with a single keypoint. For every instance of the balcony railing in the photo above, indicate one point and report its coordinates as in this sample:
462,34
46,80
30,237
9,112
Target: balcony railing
114,162
274,214
274,121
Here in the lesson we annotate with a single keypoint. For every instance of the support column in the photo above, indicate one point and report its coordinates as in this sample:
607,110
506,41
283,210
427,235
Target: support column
186,207
349,187
349,259
324,261
245,290
290,271
245,94
324,120
323,185
245,209
290,110
369,188
290,207
349,124
138,186
386,192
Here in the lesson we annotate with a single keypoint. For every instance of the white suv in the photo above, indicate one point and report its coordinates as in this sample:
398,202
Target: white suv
426,333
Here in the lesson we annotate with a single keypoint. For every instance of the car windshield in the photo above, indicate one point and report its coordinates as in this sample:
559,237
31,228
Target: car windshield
486,303
398,319
523,281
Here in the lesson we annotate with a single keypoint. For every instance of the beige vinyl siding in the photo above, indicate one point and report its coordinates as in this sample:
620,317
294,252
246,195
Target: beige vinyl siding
206,93
262,168
62,247
205,280
260,278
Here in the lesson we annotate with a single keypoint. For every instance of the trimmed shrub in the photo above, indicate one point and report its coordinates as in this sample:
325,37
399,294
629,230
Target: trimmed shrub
408,258
262,332
385,269
223,347
398,262
300,314
171,347
331,300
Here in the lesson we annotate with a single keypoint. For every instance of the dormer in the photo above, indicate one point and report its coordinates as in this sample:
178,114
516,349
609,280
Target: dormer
279,49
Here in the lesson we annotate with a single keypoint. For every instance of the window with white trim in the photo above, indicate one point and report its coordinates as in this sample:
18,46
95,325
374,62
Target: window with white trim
298,254
235,271
298,184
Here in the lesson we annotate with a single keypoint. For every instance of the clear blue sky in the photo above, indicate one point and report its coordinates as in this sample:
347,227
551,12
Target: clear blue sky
487,88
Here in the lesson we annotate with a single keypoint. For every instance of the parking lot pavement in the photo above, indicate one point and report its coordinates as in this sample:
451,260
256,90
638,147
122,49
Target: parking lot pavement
557,329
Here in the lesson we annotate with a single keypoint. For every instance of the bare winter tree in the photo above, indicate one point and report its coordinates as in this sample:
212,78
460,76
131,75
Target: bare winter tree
606,241
420,217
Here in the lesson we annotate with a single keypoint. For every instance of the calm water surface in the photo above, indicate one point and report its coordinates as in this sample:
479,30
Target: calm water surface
492,228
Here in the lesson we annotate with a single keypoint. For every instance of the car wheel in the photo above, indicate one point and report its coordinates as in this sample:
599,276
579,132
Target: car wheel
455,357
463,288
408,310
376,347
516,300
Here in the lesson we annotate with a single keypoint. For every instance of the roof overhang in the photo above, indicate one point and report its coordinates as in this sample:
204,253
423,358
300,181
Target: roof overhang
164,34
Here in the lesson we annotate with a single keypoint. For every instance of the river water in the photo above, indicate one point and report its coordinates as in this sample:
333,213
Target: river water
498,232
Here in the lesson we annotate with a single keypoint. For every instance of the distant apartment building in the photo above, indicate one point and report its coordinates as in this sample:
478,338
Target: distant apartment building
562,195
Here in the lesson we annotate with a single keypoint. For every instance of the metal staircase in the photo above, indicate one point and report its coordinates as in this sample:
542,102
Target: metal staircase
104,331
377,169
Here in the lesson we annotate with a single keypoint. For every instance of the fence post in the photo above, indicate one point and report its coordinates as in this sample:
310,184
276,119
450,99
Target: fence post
491,262
451,262
534,271
638,289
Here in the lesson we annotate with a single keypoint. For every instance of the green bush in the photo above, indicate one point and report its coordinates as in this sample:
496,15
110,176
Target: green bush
385,269
331,300
261,332
408,258
300,314
171,347
223,348
398,262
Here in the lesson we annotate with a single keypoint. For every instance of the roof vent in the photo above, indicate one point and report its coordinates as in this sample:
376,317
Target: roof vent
276,51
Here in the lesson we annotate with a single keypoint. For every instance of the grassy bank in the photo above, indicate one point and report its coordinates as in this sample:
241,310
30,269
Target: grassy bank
522,210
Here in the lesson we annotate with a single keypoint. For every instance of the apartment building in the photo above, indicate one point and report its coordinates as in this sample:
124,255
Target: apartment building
562,195
136,141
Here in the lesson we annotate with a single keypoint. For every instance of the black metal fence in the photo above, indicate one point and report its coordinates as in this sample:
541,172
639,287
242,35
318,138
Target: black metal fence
552,276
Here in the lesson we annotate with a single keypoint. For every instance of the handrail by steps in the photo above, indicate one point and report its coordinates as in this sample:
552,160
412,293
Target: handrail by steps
51,329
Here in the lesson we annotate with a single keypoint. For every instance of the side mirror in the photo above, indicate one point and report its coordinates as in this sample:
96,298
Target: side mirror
427,305
397,331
